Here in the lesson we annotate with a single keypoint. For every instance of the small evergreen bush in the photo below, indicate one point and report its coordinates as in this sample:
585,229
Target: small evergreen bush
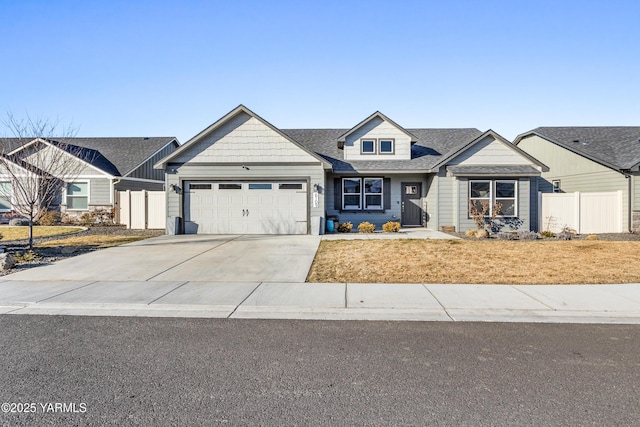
345,227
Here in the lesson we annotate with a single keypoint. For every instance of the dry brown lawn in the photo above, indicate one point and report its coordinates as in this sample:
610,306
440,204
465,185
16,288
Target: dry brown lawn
16,233
466,261
92,241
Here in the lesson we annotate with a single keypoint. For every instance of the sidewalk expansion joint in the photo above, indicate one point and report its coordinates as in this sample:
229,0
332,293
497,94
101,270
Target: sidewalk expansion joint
168,292
532,297
66,292
242,302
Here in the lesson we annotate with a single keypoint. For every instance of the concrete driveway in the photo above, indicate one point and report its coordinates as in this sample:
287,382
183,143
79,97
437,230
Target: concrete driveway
228,258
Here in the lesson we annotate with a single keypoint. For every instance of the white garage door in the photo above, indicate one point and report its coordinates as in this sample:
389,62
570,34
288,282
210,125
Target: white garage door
265,207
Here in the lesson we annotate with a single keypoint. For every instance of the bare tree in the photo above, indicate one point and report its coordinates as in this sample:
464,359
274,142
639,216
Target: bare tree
36,166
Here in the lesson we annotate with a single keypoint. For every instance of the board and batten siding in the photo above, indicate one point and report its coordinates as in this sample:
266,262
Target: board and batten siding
146,170
378,218
575,172
314,174
490,151
377,128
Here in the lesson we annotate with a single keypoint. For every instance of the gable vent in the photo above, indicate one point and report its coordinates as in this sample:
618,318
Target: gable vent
576,140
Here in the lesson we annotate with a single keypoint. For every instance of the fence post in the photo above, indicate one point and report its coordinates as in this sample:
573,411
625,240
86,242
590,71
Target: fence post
146,209
540,219
620,222
129,209
578,213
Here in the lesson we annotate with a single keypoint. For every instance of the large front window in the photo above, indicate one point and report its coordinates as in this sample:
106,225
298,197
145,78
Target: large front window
78,196
494,193
362,193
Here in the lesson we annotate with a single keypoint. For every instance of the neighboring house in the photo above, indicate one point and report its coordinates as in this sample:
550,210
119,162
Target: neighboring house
243,175
101,166
589,159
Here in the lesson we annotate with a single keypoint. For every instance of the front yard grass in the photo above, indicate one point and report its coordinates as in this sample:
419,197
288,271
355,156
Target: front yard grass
476,262
96,241
18,233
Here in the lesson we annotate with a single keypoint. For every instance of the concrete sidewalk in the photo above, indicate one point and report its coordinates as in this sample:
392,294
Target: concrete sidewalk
330,301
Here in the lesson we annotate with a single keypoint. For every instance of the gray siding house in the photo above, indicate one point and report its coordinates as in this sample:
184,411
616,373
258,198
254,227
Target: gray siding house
106,165
589,159
244,175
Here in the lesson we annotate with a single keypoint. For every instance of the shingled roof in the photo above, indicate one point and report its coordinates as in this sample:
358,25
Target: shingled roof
617,147
115,156
431,146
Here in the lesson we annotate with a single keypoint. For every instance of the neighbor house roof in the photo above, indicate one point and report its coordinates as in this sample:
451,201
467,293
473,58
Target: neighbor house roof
617,147
430,147
115,156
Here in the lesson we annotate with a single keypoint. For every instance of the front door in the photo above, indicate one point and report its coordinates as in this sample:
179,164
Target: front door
411,204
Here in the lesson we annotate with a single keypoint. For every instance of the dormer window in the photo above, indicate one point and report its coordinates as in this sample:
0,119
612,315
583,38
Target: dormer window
386,146
368,146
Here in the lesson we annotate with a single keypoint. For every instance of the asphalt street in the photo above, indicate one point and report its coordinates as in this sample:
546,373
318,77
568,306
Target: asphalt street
168,371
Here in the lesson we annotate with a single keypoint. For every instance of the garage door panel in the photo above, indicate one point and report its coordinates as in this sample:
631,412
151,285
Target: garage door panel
246,208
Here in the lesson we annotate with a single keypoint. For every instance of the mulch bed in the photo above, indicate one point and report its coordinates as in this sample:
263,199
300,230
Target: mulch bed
607,237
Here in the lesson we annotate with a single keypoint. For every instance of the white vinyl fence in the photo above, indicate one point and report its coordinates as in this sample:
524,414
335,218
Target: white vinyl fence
587,213
141,209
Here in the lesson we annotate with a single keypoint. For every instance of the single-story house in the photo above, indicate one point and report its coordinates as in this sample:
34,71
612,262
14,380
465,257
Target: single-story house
100,167
589,159
243,175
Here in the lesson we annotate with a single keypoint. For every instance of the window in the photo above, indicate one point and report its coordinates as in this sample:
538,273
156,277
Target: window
230,186
351,193
78,196
284,186
5,196
506,197
373,193
260,186
368,146
362,193
495,192
556,185
193,186
386,146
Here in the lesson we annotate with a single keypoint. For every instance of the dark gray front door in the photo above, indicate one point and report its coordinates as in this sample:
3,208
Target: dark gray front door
411,206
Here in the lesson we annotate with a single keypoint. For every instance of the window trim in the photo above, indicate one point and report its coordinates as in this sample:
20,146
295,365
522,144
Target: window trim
66,194
344,206
393,146
492,196
375,146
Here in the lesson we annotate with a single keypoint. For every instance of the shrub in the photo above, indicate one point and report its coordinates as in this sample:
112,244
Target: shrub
565,235
25,256
482,234
506,236
547,233
103,216
86,219
50,218
366,227
527,235
391,227
470,233
592,237
345,227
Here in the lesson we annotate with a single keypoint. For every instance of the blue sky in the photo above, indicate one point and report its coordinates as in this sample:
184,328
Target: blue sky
171,68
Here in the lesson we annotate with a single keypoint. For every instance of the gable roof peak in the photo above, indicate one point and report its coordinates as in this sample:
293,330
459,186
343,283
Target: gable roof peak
342,138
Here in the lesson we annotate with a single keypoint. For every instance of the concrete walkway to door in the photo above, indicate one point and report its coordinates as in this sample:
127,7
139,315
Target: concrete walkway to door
229,258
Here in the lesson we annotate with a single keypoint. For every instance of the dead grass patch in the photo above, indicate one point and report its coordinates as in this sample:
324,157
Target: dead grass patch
92,241
18,233
463,261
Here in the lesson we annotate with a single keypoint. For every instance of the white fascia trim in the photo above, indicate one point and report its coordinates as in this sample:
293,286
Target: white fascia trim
75,157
